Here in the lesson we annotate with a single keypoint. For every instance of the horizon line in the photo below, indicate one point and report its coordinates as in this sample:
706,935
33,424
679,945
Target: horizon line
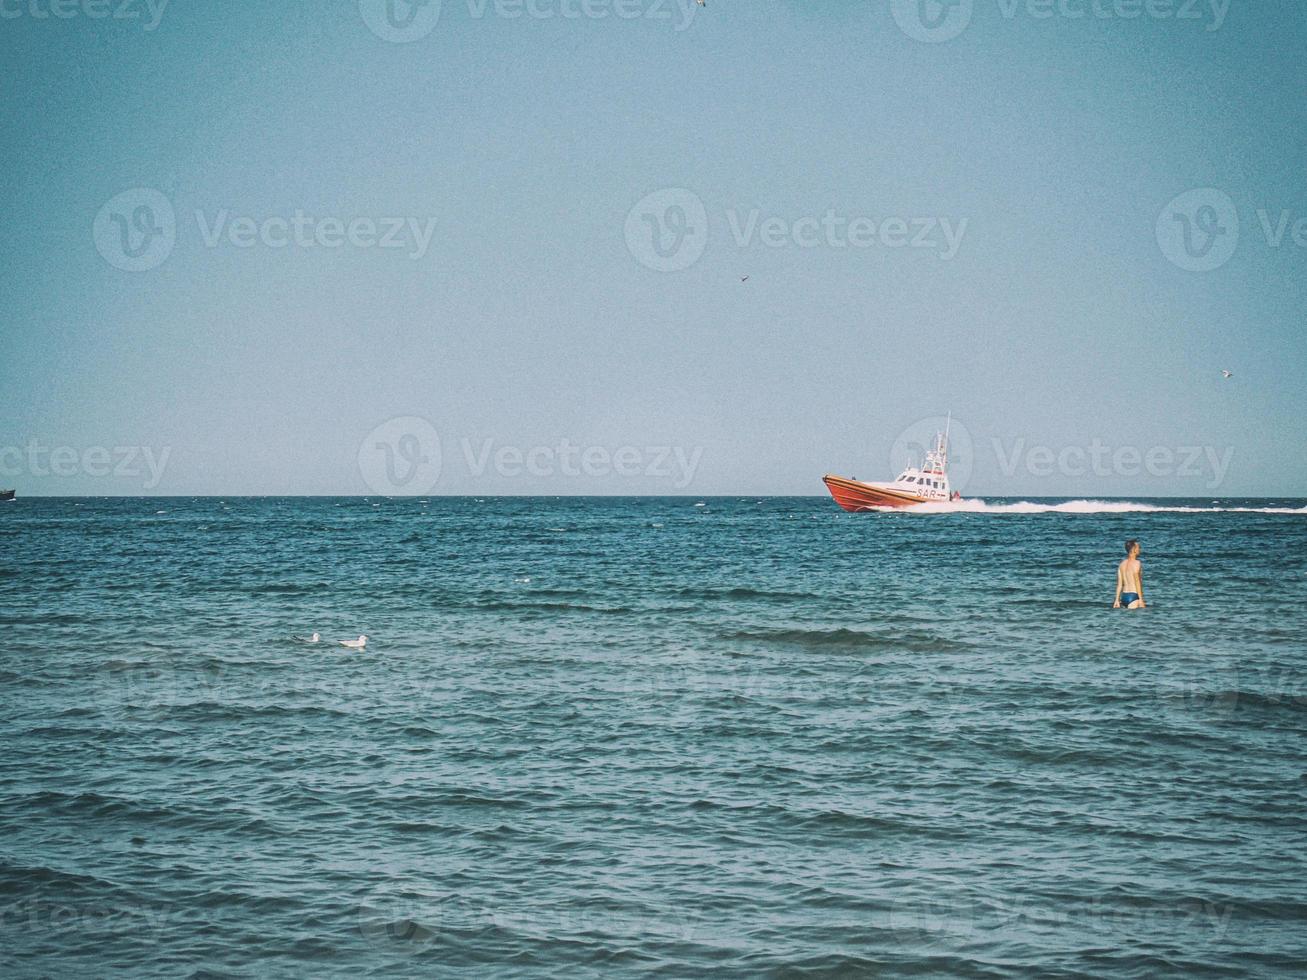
603,496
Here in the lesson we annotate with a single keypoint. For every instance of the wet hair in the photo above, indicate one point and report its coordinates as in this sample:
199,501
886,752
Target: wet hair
1131,545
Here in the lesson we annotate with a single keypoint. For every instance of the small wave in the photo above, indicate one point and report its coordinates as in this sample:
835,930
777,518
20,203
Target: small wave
848,639
290,588
577,607
91,804
45,619
1083,507
23,880
740,592
1241,699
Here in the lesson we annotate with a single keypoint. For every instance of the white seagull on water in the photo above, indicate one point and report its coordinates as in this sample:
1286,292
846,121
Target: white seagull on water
358,644
309,639
1227,375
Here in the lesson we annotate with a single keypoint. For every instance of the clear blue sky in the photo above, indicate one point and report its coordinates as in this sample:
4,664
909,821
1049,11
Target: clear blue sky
528,320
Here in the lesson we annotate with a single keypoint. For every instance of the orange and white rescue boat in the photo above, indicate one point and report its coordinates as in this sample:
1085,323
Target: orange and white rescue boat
924,484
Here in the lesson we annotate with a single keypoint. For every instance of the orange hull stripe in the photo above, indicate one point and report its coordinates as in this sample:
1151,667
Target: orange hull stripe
854,496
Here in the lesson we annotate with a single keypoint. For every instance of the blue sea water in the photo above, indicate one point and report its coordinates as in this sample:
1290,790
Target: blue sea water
606,737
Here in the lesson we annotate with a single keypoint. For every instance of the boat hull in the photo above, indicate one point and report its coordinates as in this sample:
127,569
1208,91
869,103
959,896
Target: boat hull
855,496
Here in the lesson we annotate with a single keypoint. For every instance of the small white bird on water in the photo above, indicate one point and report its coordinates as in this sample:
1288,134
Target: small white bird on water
1227,374
314,638
358,644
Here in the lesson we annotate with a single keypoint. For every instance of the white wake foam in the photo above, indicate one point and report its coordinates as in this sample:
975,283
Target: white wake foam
1085,507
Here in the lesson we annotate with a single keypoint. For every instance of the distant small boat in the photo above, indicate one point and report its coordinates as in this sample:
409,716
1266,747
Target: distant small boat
7,494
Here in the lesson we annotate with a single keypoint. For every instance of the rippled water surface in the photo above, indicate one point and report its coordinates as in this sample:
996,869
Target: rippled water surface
607,737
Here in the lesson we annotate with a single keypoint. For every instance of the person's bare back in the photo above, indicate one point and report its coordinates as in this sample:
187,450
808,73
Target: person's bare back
1130,579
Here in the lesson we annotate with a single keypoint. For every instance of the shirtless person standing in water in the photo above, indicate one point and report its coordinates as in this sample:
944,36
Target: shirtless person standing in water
1130,579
